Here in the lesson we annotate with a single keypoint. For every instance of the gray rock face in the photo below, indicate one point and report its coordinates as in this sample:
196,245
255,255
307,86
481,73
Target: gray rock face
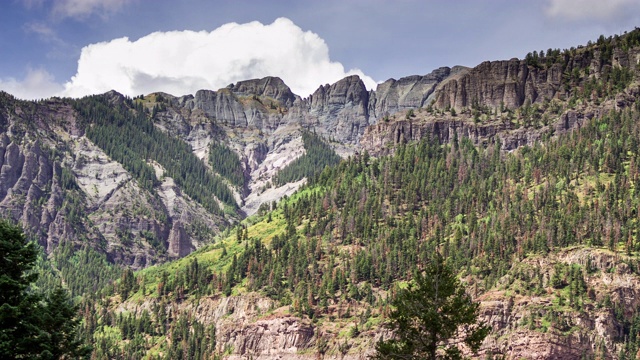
27,193
179,244
11,167
406,93
222,106
512,83
60,187
272,87
340,111
262,121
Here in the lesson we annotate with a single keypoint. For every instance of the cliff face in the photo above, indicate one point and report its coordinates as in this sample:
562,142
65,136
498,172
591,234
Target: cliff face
409,92
539,326
241,324
30,191
511,101
512,83
271,87
500,83
383,137
61,187
262,121
340,111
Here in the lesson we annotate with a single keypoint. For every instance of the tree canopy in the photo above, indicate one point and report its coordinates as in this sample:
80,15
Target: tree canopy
32,326
432,316
17,330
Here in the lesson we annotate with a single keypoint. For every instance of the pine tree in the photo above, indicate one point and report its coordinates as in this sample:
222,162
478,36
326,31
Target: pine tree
428,314
18,331
60,323
29,327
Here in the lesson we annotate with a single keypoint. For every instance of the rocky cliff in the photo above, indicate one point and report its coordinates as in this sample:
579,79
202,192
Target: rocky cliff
383,137
530,310
63,188
262,121
513,83
411,92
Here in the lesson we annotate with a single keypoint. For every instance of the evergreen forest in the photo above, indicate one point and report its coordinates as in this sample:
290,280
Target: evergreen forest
335,254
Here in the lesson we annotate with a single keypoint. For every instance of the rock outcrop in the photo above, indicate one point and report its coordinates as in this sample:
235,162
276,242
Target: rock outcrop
520,321
409,92
501,84
62,188
271,87
527,320
263,121
513,83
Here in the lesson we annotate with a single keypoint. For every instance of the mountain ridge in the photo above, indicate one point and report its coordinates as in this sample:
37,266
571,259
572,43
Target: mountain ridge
90,175
261,120
544,236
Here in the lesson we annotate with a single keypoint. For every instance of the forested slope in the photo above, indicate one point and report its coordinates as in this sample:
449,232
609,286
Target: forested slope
546,237
523,174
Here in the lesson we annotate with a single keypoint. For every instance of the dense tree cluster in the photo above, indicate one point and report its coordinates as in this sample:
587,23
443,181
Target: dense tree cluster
31,325
318,154
226,163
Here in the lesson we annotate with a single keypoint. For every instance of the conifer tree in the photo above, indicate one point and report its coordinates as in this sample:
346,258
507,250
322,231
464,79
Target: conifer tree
429,315
31,328
18,330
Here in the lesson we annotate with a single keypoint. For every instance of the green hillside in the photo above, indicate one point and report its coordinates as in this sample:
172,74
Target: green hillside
335,252
365,225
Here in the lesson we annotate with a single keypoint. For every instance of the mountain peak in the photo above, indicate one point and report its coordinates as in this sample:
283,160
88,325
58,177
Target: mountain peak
269,86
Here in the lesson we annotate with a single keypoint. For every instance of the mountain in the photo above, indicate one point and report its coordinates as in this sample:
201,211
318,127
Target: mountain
521,172
65,179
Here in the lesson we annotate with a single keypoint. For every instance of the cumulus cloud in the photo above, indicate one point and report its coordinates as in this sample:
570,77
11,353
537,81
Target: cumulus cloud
81,9
37,84
592,9
182,62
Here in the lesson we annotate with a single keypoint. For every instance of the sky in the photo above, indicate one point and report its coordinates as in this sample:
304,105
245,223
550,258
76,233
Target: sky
80,47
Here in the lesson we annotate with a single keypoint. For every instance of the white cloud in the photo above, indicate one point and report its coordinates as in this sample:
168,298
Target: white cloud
592,9
37,84
81,9
182,62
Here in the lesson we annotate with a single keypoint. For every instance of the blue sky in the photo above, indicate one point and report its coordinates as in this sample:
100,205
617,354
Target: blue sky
77,47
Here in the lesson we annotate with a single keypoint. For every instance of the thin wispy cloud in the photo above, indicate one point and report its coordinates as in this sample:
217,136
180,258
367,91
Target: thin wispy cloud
58,48
605,10
82,9
33,4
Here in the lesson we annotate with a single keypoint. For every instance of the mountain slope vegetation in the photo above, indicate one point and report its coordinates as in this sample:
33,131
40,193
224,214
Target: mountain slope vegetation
129,136
537,230
318,154
544,233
